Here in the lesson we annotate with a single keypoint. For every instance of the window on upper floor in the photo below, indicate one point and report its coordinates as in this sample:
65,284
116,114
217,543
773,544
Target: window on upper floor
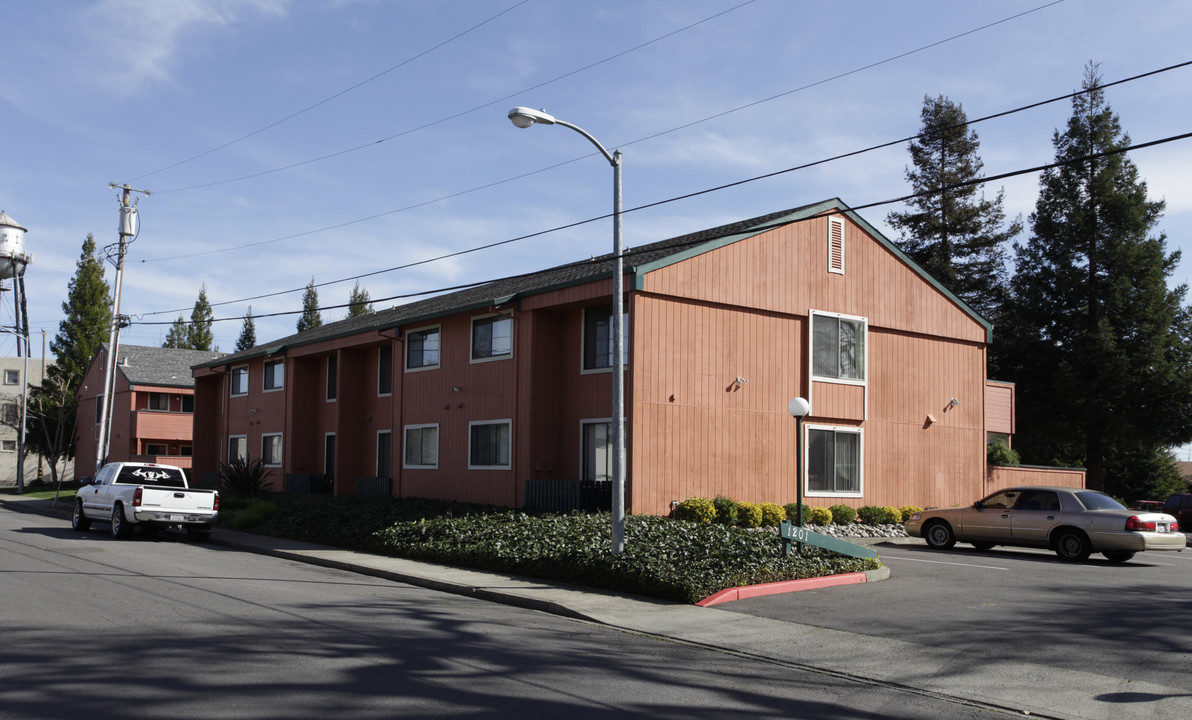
422,349
98,409
12,377
598,337
332,377
834,461
159,401
188,403
489,444
10,413
275,374
492,338
838,346
8,445
385,370
240,380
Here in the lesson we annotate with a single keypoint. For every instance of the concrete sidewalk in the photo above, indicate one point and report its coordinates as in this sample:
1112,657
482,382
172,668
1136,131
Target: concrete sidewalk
1021,688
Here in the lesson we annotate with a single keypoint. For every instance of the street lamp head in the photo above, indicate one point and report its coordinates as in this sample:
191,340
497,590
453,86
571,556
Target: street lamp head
798,408
524,117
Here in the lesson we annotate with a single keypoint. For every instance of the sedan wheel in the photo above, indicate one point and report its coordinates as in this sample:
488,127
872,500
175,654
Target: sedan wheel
1073,546
939,535
1119,555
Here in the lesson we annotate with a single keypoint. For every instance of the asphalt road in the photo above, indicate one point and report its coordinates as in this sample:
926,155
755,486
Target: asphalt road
1118,620
150,628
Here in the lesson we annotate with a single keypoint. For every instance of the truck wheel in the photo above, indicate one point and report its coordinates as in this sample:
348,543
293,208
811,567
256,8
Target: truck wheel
78,520
120,526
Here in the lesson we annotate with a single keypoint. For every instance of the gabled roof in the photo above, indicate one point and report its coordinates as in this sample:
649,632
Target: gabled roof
165,367
638,261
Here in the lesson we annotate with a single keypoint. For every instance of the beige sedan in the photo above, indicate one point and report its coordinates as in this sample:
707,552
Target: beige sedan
1071,521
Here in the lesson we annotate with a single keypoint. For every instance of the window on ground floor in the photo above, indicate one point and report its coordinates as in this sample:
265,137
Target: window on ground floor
834,461
489,445
598,450
422,447
271,449
237,447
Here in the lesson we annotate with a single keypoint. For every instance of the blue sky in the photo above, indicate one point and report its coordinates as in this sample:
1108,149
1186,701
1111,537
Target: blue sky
286,140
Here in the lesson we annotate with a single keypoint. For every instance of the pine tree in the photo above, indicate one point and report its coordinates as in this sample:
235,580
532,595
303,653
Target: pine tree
248,333
198,334
178,336
954,233
1099,347
87,321
310,318
358,301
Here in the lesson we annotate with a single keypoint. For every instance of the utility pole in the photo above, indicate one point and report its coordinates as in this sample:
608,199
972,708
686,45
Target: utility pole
128,229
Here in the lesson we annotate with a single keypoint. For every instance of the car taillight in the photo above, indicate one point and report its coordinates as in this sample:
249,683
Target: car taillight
136,496
216,505
1134,523
1175,525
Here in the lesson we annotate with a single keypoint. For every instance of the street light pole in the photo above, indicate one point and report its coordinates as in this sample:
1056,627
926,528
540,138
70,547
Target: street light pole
524,117
799,408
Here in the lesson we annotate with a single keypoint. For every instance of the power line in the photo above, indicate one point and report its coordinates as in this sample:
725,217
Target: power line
598,218
701,240
325,100
462,113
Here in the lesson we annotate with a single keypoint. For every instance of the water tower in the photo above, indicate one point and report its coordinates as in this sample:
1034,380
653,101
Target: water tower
13,261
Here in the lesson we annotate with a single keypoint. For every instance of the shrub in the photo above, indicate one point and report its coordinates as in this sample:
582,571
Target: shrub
792,511
843,514
772,514
908,510
893,515
819,516
256,512
243,477
870,514
696,509
749,514
999,453
726,510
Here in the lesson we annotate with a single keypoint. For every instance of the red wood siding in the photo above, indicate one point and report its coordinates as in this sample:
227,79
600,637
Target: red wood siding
999,407
1001,477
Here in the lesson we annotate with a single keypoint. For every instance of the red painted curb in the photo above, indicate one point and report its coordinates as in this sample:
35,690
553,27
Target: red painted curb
786,586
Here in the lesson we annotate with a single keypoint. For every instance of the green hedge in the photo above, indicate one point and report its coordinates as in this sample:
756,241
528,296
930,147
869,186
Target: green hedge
664,558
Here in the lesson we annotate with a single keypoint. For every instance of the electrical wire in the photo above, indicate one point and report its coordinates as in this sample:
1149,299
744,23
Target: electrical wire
598,218
704,239
325,100
462,113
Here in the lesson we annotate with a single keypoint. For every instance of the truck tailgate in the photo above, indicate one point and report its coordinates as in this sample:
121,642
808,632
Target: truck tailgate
177,499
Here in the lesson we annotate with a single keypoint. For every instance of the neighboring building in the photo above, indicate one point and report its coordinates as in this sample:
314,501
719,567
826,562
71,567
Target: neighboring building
153,413
12,384
502,393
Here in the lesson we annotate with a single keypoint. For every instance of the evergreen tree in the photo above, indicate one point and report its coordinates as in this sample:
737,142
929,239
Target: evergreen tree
358,301
178,336
87,321
310,318
198,334
954,233
248,333
1099,346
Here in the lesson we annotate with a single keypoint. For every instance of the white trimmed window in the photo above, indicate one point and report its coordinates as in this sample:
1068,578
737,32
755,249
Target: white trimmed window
489,444
385,370
12,377
597,450
275,375
237,447
271,449
384,453
422,349
598,338
8,445
838,347
836,245
492,338
240,380
332,377
421,447
834,467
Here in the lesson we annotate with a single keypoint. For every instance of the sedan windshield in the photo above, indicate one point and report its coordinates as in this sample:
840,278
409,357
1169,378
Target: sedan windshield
1094,500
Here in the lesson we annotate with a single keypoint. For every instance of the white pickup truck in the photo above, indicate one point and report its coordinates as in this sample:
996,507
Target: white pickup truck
150,496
